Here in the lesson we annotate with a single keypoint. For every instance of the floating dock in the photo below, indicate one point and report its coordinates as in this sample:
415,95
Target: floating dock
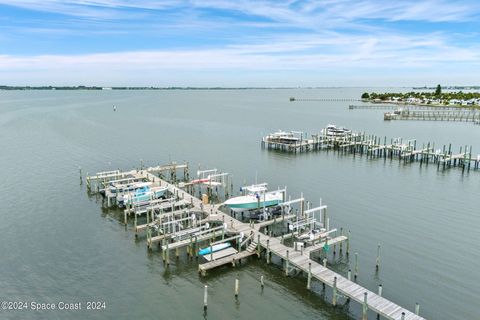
204,222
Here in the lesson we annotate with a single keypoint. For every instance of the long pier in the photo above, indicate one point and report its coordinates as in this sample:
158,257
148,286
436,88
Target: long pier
469,115
394,106
292,99
376,147
253,238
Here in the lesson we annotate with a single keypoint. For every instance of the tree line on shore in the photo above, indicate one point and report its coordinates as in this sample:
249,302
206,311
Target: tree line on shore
437,95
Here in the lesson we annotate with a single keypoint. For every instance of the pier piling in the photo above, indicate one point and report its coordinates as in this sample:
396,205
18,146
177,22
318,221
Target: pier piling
205,297
377,262
237,288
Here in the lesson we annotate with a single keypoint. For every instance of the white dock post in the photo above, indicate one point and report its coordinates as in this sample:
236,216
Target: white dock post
325,262
205,297
403,316
377,263
236,287
349,274
364,306
334,298
380,294
262,284
309,277
417,308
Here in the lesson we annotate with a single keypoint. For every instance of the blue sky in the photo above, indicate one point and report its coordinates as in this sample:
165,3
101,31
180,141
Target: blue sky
239,43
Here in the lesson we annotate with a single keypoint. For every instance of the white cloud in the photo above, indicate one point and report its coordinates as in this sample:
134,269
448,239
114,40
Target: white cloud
308,13
289,54
316,35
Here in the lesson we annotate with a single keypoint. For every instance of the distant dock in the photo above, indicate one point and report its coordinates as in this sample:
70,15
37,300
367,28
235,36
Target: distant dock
374,147
292,99
462,115
407,107
198,223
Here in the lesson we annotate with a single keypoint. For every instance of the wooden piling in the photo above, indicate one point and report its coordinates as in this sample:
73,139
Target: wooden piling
377,263
334,297
258,245
309,276
287,264
355,275
268,251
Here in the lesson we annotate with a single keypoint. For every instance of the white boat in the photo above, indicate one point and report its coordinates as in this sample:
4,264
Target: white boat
214,248
207,181
144,194
283,137
256,196
129,189
334,131
310,234
123,185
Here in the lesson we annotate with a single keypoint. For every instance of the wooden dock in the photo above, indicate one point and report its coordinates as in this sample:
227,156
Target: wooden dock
394,106
254,241
221,260
463,115
378,147
340,284
292,99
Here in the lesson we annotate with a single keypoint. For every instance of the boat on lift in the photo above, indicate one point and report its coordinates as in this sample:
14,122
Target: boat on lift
334,131
124,185
256,196
206,181
144,194
214,248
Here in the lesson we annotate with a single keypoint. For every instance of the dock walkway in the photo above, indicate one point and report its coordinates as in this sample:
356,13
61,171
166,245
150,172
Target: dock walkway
346,287
298,259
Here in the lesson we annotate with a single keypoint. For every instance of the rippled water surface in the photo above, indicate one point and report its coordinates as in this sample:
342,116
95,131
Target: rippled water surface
57,244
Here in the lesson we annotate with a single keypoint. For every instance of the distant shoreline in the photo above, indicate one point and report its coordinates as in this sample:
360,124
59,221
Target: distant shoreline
95,88
99,88
432,105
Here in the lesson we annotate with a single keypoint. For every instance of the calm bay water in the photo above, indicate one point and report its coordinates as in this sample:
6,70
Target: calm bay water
57,244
